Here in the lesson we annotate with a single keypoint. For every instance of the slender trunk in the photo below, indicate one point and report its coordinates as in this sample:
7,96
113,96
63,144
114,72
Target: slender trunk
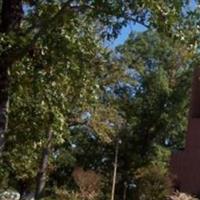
115,170
4,103
41,176
11,15
125,190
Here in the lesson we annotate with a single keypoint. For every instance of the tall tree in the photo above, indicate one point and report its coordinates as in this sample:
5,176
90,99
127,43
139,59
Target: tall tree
11,16
154,102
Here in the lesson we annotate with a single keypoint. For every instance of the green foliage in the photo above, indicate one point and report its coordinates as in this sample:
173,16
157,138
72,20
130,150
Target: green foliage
161,68
156,113
153,183
47,89
161,156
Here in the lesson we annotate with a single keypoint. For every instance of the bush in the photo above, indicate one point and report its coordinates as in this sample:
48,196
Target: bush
152,183
88,182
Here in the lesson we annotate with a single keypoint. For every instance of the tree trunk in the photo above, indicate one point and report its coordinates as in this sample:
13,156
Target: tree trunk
125,190
4,103
41,176
115,170
11,15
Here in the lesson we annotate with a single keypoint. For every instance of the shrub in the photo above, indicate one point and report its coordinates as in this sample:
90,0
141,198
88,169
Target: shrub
152,183
88,182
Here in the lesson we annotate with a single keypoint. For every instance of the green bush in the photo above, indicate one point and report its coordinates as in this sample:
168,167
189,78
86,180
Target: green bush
152,183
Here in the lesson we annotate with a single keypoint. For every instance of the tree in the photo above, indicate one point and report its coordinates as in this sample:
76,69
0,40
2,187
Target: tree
154,103
45,97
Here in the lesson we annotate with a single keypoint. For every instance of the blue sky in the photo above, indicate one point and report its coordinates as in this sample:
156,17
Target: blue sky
124,33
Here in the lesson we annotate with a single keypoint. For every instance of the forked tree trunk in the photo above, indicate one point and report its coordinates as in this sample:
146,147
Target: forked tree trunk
11,15
42,171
